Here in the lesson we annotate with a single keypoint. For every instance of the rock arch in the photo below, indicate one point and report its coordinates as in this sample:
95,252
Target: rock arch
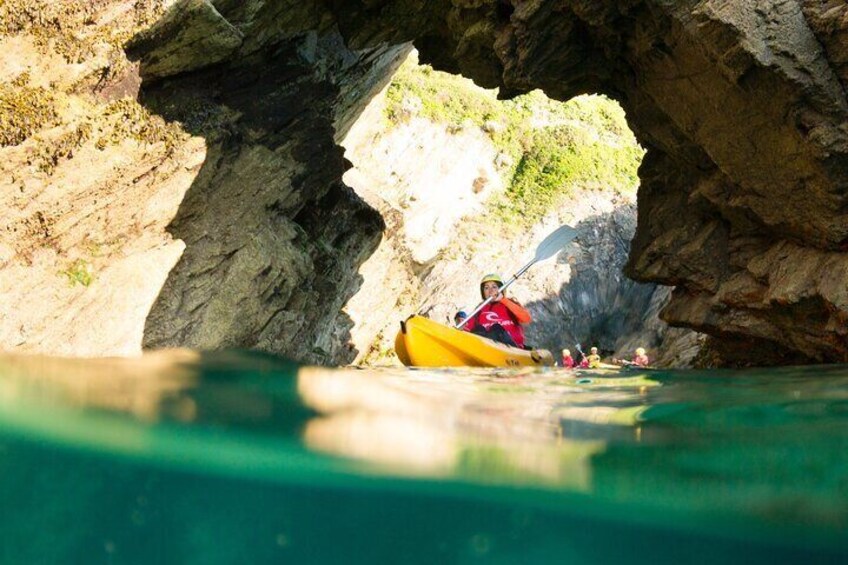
741,107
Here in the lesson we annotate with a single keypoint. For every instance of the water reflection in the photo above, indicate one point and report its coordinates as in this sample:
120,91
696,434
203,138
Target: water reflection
138,386
467,425
742,452
489,427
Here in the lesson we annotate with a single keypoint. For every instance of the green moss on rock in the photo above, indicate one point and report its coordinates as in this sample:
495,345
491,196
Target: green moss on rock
127,119
24,110
70,27
79,272
560,159
50,153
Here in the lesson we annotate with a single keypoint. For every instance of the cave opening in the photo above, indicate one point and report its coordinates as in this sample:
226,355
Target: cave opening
468,183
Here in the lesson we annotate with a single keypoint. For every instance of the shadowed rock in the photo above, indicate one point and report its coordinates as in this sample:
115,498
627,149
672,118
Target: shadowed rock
741,107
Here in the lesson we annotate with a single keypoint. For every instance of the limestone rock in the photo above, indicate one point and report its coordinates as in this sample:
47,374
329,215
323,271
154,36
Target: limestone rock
740,105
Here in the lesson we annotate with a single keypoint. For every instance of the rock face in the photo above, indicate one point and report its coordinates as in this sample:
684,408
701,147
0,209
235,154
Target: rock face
210,215
273,238
596,305
425,169
740,105
743,111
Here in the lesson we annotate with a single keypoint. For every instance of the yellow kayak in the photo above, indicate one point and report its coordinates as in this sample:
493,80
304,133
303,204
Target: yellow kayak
421,342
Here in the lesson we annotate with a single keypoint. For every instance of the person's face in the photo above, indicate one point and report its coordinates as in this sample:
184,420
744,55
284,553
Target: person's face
594,350
490,288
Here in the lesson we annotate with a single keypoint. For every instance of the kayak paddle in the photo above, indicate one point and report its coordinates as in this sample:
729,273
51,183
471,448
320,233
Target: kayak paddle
549,247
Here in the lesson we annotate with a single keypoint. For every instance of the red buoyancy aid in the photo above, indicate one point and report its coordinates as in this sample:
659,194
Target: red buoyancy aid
641,360
496,313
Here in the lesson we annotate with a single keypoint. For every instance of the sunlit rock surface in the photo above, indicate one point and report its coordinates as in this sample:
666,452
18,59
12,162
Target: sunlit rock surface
741,106
581,296
742,111
208,214
447,172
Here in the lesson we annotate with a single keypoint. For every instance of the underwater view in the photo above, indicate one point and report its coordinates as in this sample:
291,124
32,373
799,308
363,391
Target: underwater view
241,457
287,282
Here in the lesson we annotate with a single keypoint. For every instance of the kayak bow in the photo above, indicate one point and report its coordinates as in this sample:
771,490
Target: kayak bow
421,342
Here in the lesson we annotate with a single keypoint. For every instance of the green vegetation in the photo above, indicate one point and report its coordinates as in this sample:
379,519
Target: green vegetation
23,110
553,147
126,118
49,153
79,272
557,162
72,27
440,97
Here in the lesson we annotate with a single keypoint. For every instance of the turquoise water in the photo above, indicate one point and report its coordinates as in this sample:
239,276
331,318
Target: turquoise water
237,457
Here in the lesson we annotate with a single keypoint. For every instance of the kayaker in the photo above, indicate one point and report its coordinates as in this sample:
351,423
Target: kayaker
580,359
640,359
593,359
501,318
458,317
567,359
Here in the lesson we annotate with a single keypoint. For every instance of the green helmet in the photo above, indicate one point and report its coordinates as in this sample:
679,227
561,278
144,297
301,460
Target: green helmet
491,277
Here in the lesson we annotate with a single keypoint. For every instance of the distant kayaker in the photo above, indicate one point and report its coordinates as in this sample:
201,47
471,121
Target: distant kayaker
640,359
580,359
567,359
501,318
458,317
593,360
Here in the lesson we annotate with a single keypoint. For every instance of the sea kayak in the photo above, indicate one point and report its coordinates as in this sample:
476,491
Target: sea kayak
421,342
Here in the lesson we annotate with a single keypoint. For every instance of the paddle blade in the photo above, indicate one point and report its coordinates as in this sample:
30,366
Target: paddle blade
555,242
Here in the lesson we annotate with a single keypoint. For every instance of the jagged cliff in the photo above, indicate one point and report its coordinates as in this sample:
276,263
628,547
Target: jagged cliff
225,180
742,109
438,182
176,202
